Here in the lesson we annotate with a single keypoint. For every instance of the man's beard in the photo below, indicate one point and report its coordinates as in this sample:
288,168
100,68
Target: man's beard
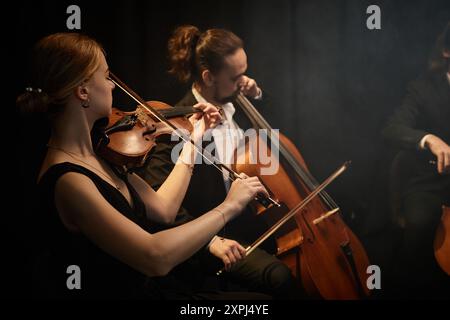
227,99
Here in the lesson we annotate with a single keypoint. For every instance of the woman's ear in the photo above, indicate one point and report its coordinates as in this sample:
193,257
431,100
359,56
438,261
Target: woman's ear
82,93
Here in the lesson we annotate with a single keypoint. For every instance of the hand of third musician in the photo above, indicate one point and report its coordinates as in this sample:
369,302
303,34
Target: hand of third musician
442,152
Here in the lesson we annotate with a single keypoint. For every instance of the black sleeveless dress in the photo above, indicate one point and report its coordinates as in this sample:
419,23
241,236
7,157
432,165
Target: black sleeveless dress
102,276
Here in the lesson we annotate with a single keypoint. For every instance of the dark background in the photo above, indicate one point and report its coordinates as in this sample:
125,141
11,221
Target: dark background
332,83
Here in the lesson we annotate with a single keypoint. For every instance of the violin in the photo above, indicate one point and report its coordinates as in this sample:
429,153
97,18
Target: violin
319,248
129,137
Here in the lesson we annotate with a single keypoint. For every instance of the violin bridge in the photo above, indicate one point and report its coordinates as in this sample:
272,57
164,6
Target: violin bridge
142,116
326,215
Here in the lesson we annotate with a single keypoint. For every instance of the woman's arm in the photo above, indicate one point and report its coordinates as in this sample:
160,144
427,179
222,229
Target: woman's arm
163,205
79,202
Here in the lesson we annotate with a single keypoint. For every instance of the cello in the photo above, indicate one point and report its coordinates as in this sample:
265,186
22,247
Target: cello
319,248
442,241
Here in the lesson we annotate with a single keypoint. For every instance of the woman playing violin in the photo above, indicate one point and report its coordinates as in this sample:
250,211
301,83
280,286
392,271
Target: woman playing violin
97,217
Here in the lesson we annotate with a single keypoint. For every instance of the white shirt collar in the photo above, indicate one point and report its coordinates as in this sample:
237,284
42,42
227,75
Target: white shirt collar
227,136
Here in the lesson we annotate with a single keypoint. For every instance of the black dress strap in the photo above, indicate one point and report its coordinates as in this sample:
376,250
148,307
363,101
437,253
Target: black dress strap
112,195
102,275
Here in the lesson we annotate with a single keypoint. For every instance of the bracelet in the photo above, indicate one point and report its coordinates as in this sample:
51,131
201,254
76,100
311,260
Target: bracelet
211,241
223,216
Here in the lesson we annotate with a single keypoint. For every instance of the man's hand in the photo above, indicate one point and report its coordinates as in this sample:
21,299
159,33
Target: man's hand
249,87
442,152
229,251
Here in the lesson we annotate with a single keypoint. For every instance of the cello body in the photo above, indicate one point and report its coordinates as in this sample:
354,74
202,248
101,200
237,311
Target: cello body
442,241
319,248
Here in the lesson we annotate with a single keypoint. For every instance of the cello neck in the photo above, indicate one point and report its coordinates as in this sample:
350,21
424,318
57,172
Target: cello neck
252,113
259,122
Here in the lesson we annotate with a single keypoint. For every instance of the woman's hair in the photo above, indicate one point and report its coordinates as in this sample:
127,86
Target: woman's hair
438,63
191,51
60,63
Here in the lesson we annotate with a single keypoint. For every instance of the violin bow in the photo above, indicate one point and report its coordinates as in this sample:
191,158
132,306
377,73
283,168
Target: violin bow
208,157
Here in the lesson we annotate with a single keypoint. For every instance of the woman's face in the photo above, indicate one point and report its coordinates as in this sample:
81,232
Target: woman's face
100,88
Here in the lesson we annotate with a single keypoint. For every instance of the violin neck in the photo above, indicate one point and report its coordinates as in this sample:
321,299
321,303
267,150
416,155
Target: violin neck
179,111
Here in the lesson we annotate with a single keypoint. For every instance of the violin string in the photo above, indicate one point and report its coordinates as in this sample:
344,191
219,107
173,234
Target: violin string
232,177
186,140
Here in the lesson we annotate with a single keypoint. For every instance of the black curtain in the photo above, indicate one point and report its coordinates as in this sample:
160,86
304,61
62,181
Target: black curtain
331,81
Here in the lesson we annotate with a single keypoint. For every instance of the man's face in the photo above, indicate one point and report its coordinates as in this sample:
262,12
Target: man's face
228,79
446,55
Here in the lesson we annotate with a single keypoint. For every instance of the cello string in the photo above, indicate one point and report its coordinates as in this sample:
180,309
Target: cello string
306,176
264,124
294,211
300,206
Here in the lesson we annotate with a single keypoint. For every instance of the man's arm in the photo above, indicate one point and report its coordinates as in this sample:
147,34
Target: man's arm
401,129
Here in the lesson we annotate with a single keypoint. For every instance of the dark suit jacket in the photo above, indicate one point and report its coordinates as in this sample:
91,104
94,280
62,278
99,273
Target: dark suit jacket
206,189
425,109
